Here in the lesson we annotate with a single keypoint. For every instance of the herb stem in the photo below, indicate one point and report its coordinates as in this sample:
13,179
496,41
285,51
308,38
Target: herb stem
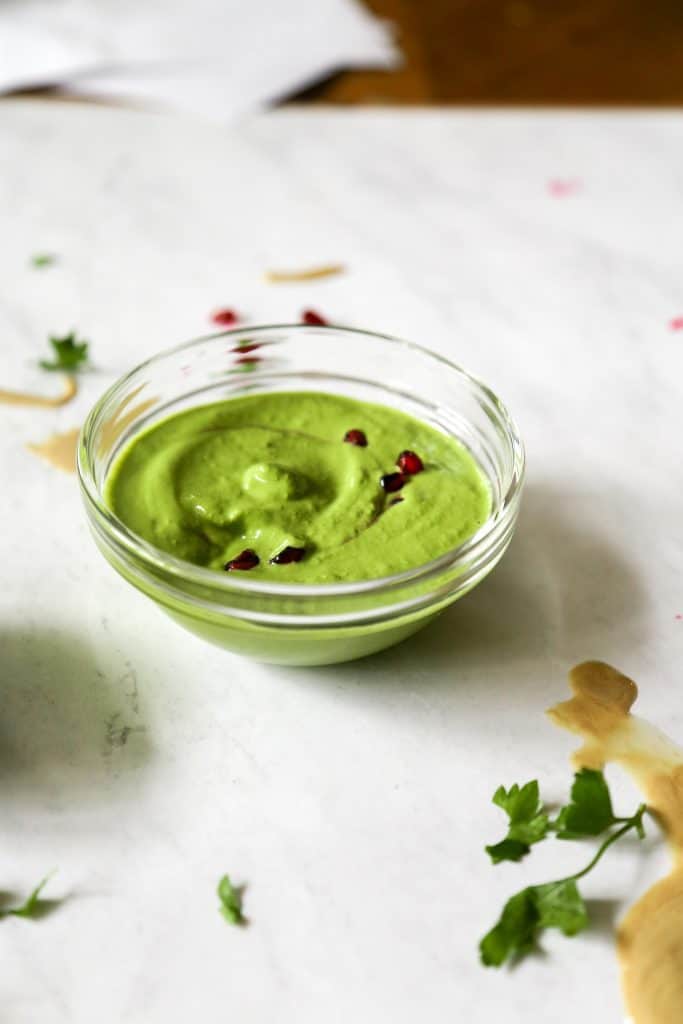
629,823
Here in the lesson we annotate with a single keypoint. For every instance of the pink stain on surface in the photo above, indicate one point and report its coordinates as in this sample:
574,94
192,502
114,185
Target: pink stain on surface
676,324
679,618
560,188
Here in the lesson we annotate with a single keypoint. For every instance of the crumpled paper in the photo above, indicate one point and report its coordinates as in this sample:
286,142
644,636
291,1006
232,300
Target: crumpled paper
214,58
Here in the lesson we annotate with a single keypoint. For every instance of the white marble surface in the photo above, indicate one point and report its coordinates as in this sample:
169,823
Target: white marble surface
353,801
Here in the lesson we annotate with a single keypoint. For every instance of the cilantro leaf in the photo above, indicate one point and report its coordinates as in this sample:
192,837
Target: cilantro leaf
590,811
519,803
43,259
70,354
514,932
507,849
231,901
560,905
553,905
33,905
528,822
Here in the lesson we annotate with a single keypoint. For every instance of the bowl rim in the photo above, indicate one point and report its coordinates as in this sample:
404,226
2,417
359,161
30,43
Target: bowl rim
180,569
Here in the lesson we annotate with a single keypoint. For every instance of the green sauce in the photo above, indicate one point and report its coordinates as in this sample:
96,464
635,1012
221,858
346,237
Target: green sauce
272,470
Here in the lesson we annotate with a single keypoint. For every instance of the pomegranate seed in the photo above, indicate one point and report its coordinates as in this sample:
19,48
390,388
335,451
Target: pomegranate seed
309,316
356,437
410,463
288,555
247,559
392,482
246,346
225,317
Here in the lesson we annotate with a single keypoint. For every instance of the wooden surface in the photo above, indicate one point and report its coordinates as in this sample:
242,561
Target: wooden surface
593,52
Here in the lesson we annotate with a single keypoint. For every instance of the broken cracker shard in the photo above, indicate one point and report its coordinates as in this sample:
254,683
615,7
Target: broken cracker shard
306,274
650,937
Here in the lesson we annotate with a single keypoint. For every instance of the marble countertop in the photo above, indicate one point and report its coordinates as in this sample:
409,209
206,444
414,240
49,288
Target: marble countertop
542,252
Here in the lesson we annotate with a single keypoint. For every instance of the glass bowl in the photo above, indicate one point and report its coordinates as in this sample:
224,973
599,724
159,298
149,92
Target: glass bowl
300,624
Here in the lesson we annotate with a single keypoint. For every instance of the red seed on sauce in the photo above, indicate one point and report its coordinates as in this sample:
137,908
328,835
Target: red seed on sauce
356,437
247,559
313,319
225,317
287,555
392,482
246,346
410,463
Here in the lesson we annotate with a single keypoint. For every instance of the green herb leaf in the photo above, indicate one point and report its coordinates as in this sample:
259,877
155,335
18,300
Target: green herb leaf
70,354
519,803
560,905
528,823
507,849
515,931
32,904
590,811
231,901
43,259
527,913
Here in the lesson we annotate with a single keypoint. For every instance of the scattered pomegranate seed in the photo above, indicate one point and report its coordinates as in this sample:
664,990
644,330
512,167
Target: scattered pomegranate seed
288,555
247,559
410,463
248,360
392,482
225,317
356,437
309,316
246,346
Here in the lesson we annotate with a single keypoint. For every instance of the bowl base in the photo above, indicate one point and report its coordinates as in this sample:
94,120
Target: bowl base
301,647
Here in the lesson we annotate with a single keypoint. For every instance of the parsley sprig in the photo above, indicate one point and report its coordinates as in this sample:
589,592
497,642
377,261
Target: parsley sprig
557,904
42,260
231,901
70,354
33,905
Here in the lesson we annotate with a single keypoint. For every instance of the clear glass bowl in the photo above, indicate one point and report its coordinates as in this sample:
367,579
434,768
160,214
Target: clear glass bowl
301,624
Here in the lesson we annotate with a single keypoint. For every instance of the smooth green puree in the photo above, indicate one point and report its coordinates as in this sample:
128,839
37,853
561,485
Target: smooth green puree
270,471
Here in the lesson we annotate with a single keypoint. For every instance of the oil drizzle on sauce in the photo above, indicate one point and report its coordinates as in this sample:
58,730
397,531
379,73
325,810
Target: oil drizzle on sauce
59,450
650,938
27,398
